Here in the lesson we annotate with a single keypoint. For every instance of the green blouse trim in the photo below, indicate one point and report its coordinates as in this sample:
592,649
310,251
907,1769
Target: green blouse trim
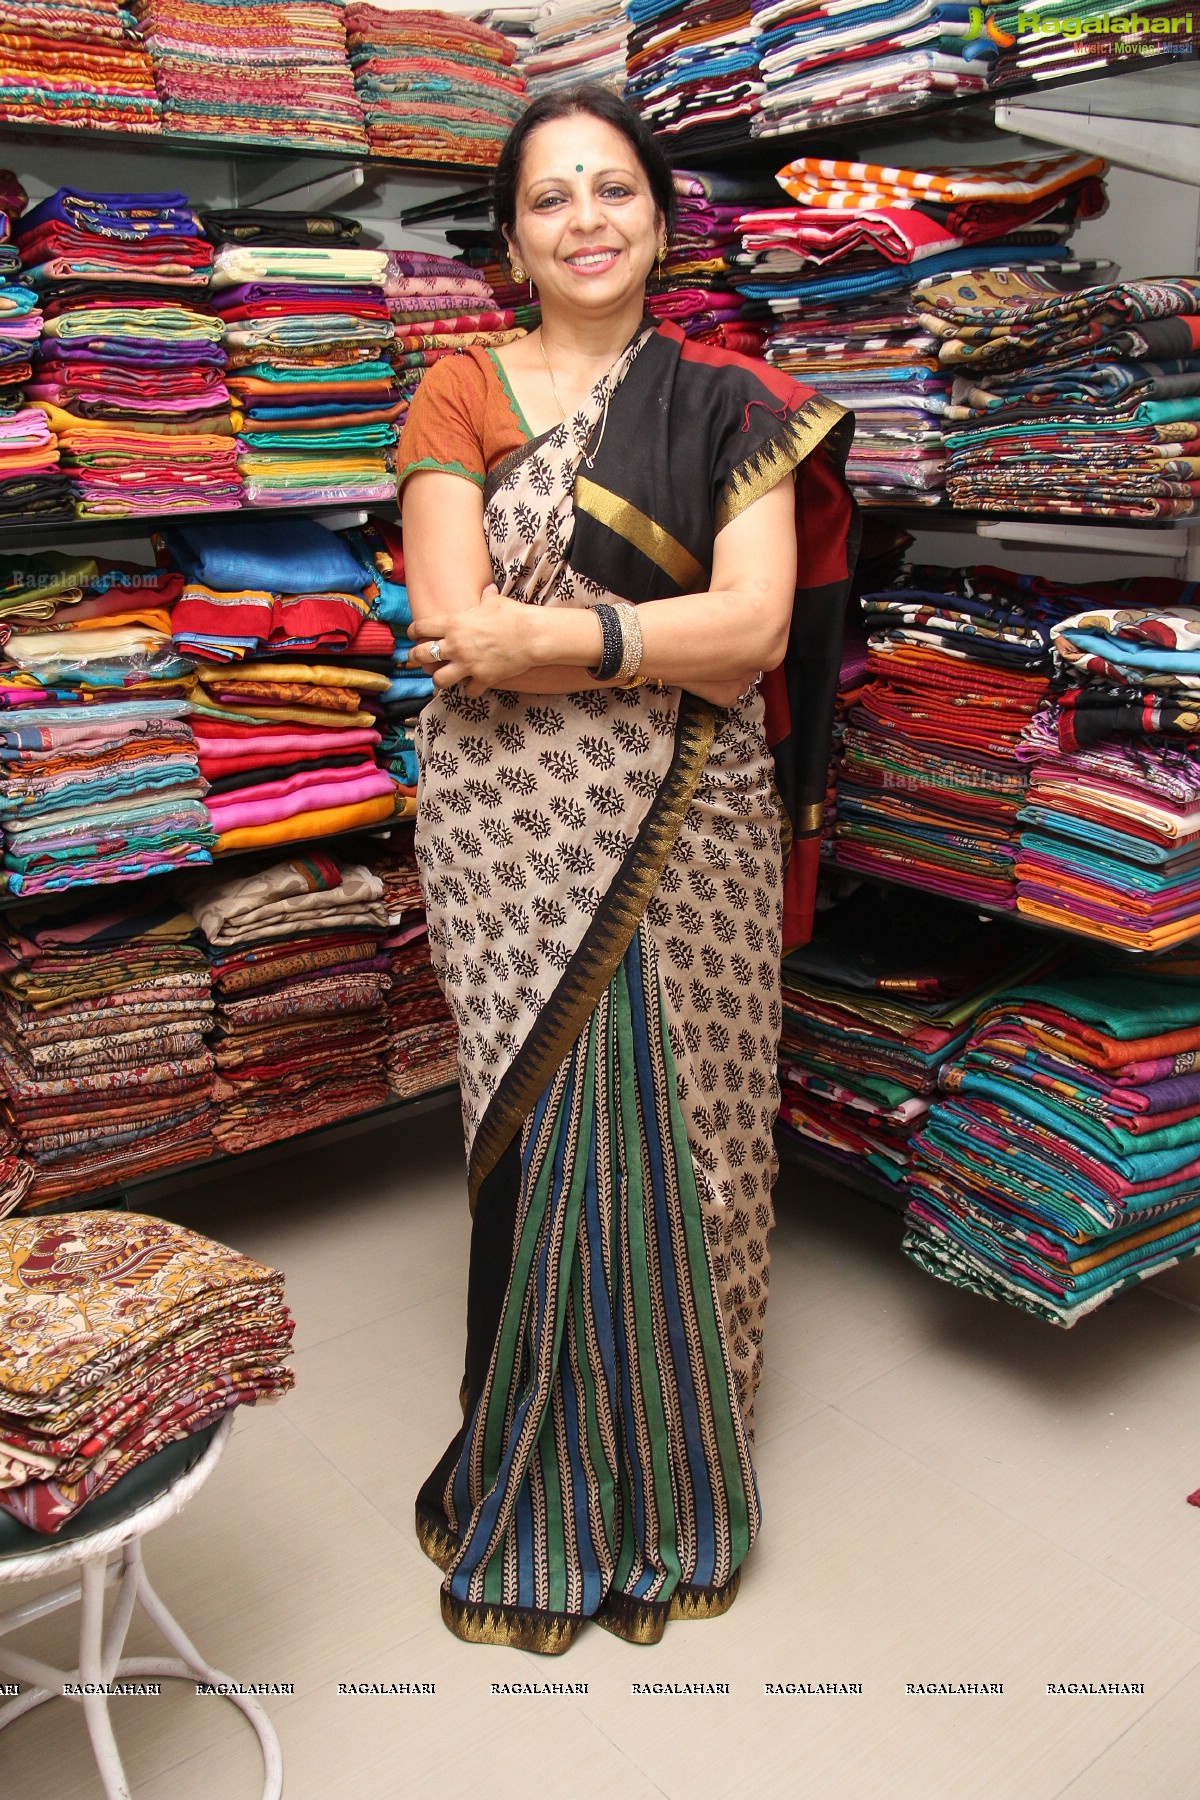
444,468
502,378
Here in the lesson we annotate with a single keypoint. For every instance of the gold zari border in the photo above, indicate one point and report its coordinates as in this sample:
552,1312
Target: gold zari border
546,1634
595,962
812,422
640,530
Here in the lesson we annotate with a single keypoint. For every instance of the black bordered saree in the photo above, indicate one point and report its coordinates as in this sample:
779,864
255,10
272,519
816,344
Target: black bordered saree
604,881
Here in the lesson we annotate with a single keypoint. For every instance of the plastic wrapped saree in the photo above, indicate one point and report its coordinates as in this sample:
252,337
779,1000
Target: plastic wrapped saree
603,874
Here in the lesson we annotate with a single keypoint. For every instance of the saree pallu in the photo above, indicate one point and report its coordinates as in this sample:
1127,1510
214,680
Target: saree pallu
603,874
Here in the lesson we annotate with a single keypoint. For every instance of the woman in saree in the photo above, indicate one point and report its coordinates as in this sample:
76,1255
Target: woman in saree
602,528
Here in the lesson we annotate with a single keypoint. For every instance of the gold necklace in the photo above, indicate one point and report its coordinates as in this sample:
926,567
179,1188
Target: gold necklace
582,448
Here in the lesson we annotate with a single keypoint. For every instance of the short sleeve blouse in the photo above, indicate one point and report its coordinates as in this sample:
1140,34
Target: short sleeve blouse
463,419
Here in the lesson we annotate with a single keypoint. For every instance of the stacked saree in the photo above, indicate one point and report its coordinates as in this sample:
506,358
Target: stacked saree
1110,837
602,879
105,1074
873,1009
422,1042
299,985
1063,1163
77,63
1084,402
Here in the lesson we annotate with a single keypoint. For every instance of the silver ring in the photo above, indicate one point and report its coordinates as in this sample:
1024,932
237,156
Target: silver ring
435,649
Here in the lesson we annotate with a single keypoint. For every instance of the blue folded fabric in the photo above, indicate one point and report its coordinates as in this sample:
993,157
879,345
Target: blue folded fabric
280,556
903,275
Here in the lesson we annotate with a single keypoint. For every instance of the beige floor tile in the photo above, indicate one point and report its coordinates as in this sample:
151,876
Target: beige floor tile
1156,1759
360,1229
459,1743
846,1305
382,1402
872,1569
1082,1435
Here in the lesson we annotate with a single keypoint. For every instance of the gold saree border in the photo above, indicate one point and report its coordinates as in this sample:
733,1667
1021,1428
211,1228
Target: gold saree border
704,1602
815,420
546,1634
598,956
639,529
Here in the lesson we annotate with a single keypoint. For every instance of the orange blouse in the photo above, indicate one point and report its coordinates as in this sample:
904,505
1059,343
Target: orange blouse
463,420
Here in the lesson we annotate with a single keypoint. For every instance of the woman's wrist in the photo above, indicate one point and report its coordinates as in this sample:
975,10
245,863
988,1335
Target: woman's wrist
564,635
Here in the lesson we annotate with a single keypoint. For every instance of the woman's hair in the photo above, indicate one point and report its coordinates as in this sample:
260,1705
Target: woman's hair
600,104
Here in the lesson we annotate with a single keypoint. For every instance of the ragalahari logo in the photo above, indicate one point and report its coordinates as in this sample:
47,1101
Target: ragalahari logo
983,24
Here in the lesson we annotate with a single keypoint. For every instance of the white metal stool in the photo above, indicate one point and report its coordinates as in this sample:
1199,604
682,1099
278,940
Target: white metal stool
107,1555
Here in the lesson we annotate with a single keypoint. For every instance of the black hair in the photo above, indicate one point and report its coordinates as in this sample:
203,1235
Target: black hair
600,103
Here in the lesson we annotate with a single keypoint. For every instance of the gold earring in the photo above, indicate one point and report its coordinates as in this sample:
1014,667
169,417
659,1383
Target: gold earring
661,256
518,273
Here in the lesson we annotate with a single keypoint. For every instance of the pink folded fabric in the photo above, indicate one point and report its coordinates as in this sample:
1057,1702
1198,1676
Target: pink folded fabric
282,743
230,813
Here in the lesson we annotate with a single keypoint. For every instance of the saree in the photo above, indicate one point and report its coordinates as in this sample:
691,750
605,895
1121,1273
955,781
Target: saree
603,875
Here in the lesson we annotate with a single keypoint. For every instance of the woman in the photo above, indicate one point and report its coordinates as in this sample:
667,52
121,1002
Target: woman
599,830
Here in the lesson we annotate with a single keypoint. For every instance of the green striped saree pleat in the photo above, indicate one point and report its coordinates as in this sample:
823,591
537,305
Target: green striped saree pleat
605,1471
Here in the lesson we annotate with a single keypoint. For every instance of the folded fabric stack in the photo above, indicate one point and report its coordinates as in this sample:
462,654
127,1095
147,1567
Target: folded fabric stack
78,63
130,372
285,720
693,286
931,779
29,478
120,1334
872,1008
514,19
275,71
1084,402
104,1069
852,680
380,550
16,1173
1110,829
99,794
576,41
438,308
1063,1163
839,267
824,63
1060,39
422,1052
300,984
432,86
307,333
692,73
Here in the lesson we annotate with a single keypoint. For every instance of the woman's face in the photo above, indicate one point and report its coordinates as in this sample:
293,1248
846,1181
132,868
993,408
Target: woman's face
586,226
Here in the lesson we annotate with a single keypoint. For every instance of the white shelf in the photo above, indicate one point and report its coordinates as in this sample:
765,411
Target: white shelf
1145,120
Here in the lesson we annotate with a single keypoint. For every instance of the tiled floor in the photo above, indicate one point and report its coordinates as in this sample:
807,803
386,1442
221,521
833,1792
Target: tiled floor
954,1493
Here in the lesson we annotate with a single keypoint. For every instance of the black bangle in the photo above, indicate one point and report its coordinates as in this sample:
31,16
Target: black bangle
613,639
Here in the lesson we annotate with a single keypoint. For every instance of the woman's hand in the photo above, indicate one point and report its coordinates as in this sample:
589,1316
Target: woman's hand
719,693
484,647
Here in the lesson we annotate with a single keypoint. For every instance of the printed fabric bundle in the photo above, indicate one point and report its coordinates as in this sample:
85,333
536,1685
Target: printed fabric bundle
422,1042
1084,402
105,1072
120,1334
268,71
1110,829
75,63
575,41
694,284
1062,1163
300,983
432,86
